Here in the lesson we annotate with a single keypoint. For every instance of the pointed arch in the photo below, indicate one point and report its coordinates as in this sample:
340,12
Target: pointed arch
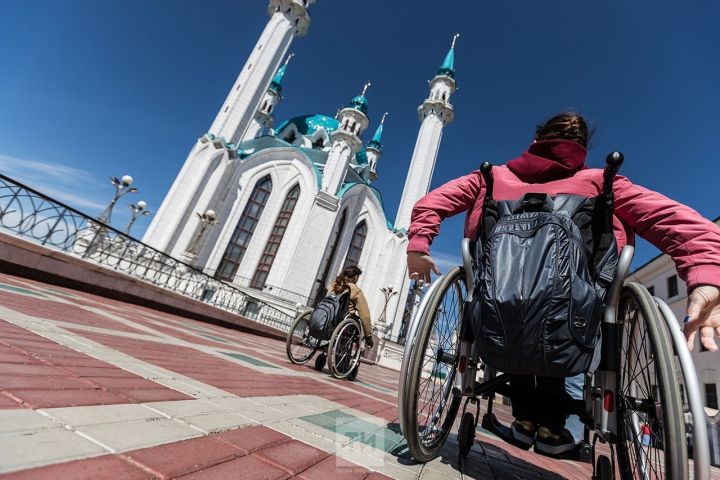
356,245
240,239
276,237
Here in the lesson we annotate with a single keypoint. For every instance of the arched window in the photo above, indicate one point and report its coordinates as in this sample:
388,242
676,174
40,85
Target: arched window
356,245
323,279
244,230
276,236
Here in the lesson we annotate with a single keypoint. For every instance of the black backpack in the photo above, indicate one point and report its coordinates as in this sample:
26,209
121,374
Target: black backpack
544,266
328,314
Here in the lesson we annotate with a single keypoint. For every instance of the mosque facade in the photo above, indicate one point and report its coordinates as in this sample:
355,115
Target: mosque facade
279,208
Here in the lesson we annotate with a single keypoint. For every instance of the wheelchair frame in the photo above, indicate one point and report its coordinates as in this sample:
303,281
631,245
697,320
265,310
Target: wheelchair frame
599,408
329,349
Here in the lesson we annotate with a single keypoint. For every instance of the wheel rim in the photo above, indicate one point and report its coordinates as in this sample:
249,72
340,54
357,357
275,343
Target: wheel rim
639,399
346,350
302,345
438,369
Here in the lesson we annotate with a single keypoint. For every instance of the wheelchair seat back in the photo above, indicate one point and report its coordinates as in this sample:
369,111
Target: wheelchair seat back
544,265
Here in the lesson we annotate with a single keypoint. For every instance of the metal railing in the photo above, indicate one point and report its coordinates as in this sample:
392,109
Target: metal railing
27,213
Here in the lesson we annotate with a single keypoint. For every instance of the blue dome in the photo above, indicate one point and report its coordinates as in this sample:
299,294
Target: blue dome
359,103
309,124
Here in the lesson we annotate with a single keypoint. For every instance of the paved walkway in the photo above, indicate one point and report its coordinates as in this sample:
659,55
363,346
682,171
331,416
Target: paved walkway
92,388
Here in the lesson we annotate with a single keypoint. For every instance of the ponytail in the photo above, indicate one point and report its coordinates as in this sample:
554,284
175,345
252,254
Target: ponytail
341,281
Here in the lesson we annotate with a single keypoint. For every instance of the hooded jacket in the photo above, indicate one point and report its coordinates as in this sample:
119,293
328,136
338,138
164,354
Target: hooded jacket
558,166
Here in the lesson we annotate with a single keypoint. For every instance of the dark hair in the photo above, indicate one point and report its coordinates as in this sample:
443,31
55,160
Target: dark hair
341,281
565,126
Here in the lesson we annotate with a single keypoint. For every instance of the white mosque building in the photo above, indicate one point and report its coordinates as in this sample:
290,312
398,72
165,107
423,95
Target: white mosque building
295,203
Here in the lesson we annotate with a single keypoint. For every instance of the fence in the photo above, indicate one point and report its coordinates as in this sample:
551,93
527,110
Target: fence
32,215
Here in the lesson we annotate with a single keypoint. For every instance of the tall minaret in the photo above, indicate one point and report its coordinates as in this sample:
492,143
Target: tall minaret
374,149
214,152
435,112
288,18
345,141
263,118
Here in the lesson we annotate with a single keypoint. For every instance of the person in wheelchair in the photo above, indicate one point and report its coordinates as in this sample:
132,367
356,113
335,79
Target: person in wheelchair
554,164
357,305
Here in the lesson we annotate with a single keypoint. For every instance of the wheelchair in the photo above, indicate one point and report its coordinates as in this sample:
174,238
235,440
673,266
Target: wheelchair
635,388
341,352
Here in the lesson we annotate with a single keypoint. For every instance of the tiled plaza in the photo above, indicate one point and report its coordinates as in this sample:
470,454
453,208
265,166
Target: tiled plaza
92,388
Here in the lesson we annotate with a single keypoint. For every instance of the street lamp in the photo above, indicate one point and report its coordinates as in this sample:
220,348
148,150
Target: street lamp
137,211
207,220
122,186
388,292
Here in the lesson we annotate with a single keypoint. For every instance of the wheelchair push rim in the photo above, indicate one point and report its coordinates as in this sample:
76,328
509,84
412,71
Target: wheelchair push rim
300,346
430,406
651,430
344,348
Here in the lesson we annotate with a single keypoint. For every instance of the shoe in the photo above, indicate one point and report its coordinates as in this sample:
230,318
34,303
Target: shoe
549,443
523,432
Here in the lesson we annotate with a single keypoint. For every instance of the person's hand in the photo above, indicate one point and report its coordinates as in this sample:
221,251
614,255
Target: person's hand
420,266
703,313
369,341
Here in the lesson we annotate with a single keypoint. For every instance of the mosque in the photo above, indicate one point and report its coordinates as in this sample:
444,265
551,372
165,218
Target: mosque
279,209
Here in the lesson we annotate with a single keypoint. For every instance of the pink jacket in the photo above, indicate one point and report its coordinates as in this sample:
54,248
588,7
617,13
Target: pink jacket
558,166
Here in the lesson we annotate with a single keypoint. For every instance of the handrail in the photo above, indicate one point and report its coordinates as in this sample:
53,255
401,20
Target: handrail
31,214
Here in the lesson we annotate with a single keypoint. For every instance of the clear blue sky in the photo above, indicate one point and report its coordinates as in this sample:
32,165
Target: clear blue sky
90,88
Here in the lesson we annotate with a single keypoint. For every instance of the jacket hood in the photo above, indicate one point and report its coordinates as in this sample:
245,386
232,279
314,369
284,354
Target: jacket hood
549,160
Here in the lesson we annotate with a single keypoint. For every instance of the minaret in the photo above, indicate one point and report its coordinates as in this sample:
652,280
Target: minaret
214,151
435,112
288,18
345,141
374,149
263,118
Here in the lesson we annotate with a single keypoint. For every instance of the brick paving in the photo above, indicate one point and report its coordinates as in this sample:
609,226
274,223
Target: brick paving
93,388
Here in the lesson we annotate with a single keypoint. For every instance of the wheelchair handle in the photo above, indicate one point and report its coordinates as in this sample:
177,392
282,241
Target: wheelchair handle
486,170
612,164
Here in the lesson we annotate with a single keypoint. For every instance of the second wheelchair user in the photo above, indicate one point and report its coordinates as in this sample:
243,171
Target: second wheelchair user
357,305
555,164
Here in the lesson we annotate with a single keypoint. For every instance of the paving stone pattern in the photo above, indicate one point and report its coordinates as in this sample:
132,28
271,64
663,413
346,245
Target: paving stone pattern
94,388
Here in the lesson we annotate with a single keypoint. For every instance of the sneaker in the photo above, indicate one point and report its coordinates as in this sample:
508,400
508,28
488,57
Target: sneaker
552,444
523,432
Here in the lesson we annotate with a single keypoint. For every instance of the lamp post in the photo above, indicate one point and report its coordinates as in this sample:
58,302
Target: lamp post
207,220
137,211
122,186
380,328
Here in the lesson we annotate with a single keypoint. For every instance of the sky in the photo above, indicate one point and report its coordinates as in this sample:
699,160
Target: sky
91,89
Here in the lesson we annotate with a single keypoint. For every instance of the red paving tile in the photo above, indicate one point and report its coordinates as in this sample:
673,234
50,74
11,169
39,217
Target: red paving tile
38,398
243,468
105,467
334,467
13,382
252,439
181,458
293,456
64,312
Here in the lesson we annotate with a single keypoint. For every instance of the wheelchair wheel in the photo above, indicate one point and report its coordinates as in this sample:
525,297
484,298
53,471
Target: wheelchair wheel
300,345
320,362
466,434
429,405
344,348
651,427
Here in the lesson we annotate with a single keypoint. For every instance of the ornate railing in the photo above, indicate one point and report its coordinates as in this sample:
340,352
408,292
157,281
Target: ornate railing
32,215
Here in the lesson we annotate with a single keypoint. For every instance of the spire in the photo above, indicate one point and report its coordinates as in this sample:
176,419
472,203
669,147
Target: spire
360,102
376,141
276,84
448,65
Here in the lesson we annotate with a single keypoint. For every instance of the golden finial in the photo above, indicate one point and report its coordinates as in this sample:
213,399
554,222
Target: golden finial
382,120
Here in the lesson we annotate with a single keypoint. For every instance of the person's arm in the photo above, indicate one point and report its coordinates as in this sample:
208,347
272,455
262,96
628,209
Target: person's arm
689,239
363,311
454,197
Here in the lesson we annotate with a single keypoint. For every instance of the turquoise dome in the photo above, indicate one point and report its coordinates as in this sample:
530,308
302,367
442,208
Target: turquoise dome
309,124
359,103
